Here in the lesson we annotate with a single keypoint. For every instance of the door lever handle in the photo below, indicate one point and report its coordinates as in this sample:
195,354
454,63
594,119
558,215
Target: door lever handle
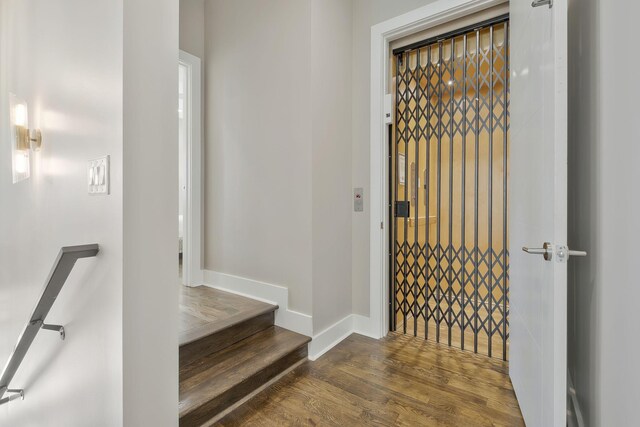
564,253
534,251
577,253
546,251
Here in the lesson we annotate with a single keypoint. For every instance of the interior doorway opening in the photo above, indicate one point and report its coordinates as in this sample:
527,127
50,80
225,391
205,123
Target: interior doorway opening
189,244
448,181
183,85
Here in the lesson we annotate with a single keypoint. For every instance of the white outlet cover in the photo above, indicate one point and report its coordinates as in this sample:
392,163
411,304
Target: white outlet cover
98,176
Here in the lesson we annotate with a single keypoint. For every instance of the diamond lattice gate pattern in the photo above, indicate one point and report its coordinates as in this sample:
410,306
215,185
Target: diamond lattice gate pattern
449,181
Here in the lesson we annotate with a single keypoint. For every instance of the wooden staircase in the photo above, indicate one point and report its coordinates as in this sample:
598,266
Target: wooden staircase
223,363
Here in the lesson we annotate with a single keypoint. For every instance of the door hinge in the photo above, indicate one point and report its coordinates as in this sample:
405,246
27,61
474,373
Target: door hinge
381,225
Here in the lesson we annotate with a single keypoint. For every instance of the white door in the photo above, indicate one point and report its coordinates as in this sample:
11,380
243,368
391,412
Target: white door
538,203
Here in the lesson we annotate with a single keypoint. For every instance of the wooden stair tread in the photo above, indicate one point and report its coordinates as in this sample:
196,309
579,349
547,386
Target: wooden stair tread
215,342
210,377
199,332
205,311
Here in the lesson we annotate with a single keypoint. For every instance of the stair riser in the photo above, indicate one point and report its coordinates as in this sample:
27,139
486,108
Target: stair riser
224,338
206,412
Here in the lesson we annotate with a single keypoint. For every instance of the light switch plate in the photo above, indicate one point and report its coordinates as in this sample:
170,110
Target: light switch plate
98,176
358,202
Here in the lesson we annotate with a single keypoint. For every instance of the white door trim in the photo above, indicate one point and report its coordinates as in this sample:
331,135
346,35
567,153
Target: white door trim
382,34
192,244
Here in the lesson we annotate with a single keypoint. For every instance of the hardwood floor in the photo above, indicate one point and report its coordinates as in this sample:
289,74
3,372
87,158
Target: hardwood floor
481,340
400,380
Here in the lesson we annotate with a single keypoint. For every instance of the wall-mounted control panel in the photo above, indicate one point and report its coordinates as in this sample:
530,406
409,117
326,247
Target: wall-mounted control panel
98,176
388,109
358,199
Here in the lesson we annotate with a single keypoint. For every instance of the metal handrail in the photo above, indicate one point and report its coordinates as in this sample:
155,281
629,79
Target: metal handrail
63,265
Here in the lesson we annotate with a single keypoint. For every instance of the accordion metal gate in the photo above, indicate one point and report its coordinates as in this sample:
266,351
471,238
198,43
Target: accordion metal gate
449,181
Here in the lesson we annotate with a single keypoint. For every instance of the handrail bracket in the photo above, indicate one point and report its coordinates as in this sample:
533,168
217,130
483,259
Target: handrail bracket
58,328
17,392
14,394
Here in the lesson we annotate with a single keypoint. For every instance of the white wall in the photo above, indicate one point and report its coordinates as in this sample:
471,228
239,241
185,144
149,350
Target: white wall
65,59
100,78
192,27
603,211
257,219
365,14
331,160
278,151
287,124
150,210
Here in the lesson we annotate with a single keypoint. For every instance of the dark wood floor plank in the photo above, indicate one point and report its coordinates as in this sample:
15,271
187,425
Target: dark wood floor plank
399,380
218,403
259,410
446,382
217,372
343,400
212,383
217,341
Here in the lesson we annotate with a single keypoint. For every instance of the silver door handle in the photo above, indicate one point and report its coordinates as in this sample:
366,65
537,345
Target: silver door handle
564,253
577,253
546,251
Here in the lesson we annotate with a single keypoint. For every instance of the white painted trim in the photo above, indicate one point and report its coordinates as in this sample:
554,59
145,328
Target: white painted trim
290,319
333,335
192,244
266,292
330,337
362,326
382,34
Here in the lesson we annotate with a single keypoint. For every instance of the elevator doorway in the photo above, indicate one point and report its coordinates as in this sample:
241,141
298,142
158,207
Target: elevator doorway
449,252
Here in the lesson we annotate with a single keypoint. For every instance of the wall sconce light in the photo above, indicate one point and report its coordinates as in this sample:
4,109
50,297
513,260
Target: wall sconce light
23,140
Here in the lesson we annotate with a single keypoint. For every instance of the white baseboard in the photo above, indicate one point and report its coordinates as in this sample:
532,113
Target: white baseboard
266,292
362,325
289,319
334,334
330,337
